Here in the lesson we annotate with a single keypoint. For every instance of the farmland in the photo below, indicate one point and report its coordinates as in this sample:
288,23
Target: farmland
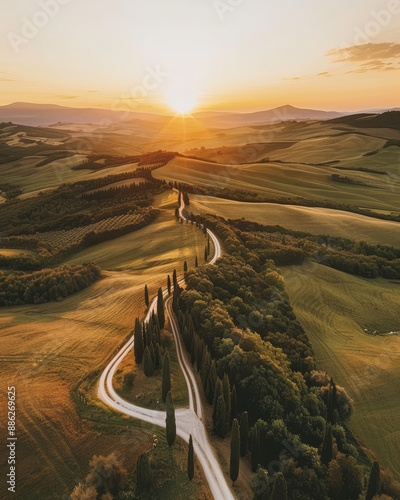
335,308
59,347
309,219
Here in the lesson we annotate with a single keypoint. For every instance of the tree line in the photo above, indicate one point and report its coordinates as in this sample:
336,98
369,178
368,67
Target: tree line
257,367
46,285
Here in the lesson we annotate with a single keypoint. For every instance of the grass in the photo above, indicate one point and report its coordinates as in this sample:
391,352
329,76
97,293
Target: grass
309,219
16,252
334,308
164,245
48,350
285,179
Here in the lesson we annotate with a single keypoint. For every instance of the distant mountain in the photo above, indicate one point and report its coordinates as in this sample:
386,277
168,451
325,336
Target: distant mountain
24,113
280,114
389,119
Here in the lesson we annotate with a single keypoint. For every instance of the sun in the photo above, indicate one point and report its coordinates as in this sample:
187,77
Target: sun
182,100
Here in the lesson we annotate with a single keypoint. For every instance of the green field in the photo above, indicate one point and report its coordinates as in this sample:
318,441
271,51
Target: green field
334,309
286,180
309,219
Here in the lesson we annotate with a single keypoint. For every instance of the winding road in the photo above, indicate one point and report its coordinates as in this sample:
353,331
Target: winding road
188,421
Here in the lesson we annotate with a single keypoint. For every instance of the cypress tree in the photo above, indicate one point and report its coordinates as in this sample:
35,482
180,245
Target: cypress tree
331,401
169,285
170,423
158,362
234,410
220,426
279,490
174,280
205,367
235,451
193,349
185,267
211,382
138,346
244,434
217,393
166,378
143,473
148,366
153,354
205,255
200,353
146,296
255,447
190,465
374,481
196,262
227,397
327,445
160,308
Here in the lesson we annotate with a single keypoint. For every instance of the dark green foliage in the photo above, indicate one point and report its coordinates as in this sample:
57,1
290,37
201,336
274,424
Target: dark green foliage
255,447
148,365
158,357
170,423
160,308
279,489
234,410
138,346
166,378
146,296
244,434
196,262
217,393
344,478
143,473
221,418
331,401
128,380
47,285
185,267
327,445
211,382
374,481
235,451
169,285
190,464
226,390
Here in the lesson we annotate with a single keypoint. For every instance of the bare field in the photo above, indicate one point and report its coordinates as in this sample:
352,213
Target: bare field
309,219
334,308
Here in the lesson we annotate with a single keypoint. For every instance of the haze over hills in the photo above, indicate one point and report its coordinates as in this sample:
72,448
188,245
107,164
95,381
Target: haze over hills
47,114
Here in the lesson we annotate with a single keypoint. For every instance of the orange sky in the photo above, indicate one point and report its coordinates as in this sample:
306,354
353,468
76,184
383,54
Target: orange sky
217,54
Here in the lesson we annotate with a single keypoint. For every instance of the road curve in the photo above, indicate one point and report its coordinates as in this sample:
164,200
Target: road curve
188,421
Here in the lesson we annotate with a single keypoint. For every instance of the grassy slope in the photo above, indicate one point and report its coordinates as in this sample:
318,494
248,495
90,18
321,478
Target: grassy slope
275,179
313,220
334,308
47,349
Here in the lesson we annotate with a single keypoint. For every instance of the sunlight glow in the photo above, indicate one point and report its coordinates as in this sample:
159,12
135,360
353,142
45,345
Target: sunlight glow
182,100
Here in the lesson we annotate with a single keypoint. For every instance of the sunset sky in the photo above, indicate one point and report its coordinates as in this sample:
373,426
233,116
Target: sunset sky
217,54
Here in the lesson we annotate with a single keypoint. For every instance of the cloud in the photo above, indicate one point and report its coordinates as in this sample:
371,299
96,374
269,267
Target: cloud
292,78
92,91
369,57
7,80
324,73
